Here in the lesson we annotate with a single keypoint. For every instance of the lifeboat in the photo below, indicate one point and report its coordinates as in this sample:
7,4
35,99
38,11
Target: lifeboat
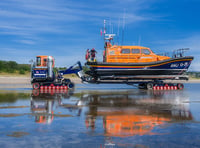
132,62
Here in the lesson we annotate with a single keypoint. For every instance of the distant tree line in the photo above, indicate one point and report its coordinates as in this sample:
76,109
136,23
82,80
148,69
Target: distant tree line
193,74
14,67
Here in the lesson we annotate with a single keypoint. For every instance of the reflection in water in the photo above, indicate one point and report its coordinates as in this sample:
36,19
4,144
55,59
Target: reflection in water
121,114
124,113
10,96
128,113
101,118
43,103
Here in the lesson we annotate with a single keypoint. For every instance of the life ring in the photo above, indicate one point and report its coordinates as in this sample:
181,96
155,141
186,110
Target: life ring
36,85
86,56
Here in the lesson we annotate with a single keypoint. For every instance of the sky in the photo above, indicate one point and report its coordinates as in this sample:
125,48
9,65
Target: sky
66,28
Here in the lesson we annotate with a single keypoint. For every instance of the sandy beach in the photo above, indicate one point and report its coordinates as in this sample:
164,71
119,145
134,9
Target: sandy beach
24,82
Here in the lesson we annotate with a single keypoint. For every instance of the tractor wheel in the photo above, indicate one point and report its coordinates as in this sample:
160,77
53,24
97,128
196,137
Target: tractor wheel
70,85
149,86
36,85
180,86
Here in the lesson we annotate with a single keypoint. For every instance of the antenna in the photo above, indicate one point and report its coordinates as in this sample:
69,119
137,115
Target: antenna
139,40
110,27
118,31
123,27
108,36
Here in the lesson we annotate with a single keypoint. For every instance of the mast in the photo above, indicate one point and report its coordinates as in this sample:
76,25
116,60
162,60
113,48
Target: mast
108,38
104,30
118,32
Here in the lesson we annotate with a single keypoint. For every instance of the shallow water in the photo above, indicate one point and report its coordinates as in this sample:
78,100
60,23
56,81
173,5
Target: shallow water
100,116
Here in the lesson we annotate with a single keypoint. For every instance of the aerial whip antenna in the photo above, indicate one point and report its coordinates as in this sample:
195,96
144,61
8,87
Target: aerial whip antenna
139,40
123,27
118,31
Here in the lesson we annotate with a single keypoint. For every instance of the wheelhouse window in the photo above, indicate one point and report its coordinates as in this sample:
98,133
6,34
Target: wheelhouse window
124,51
145,51
38,61
44,62
135,51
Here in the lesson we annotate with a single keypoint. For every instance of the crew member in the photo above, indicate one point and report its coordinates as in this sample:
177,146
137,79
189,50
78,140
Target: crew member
93,54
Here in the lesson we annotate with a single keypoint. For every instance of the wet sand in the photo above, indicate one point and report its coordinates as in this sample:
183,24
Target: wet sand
24,82
15,82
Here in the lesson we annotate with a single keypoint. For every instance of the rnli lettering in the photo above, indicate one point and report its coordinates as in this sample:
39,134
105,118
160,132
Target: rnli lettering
174,65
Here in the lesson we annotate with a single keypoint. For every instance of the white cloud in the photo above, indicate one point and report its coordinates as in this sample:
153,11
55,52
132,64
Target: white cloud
37,17
30,42
31,26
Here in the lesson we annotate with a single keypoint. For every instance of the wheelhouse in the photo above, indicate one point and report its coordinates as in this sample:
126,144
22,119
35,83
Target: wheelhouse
130,54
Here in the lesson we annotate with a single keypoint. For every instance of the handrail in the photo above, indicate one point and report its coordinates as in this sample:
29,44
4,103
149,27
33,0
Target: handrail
176,53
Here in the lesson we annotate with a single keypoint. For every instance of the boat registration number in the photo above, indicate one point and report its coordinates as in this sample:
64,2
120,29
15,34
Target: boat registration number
179,64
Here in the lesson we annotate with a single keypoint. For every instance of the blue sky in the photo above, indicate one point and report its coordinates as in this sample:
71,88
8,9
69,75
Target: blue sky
66,28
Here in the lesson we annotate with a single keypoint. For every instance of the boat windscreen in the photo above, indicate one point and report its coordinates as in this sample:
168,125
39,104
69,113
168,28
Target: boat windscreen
135,51
145,51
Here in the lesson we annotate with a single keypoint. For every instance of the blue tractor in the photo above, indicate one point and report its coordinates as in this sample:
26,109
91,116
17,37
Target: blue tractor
44,75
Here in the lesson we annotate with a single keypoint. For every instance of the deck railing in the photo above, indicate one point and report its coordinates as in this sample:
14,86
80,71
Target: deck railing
176,53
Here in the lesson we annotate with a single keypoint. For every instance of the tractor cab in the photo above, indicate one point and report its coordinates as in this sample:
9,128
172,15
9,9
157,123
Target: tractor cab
42,69
42,61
